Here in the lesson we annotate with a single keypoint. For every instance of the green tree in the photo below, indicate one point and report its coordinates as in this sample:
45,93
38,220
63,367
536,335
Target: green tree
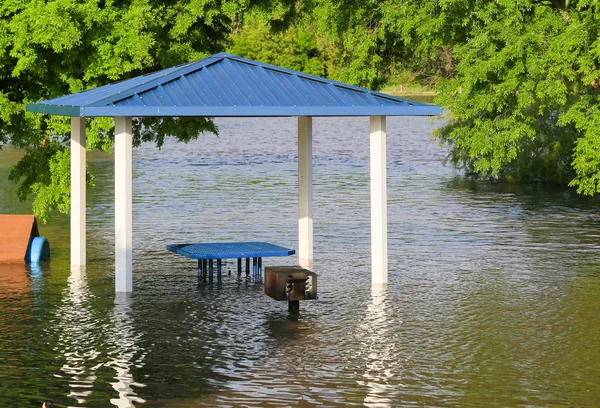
520,79
294,47
524,99
376,40
50,48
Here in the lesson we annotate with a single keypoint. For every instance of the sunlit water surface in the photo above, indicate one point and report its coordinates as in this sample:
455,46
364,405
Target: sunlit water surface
493,300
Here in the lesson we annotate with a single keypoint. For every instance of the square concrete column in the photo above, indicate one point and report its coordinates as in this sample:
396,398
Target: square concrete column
379,261
123,205
305,195
78,185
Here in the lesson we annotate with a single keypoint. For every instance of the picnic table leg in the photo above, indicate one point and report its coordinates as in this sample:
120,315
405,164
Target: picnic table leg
219,269
239,266
205,268
254,266
200,272
260,271
247,267
210,269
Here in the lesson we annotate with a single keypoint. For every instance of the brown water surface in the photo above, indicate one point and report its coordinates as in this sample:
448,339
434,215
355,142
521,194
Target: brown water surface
493,297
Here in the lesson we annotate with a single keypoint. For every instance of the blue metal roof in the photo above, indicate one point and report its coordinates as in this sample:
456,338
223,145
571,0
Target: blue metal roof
227,85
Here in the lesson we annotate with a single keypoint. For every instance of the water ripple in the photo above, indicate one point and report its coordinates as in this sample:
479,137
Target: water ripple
493,294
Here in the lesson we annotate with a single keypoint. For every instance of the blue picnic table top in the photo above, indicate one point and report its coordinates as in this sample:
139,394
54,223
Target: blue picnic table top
227,250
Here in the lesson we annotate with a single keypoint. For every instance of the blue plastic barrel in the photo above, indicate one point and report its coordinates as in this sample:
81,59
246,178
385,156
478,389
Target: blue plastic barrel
39,250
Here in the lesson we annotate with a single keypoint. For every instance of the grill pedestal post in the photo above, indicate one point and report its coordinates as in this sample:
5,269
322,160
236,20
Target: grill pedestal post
294,306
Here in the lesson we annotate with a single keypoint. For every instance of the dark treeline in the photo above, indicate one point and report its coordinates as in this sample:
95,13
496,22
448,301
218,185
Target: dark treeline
519,78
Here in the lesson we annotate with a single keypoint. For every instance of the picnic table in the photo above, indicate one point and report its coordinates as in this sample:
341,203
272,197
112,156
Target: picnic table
207,253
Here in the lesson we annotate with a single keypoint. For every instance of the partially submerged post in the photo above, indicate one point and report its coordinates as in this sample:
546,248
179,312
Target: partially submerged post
305,195
123,205
78,192
379,258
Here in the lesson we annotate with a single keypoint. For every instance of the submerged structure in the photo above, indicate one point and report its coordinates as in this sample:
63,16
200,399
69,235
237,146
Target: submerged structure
20,240
224,85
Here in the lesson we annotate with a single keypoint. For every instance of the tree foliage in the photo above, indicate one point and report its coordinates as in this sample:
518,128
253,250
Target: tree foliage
520,79
524,97
294,47
50,48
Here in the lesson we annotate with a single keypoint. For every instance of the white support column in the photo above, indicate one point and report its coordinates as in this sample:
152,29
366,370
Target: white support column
123,205
379,261
78,143
305,216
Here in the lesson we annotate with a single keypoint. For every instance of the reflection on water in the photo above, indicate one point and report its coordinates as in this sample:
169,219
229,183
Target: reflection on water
86,350
377,351
492,301
78,339
125,354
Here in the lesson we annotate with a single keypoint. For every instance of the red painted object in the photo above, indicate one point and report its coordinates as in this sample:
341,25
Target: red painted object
16,233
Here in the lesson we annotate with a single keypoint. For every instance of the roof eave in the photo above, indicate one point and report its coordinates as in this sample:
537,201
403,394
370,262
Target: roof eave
259,111
234,111
60,110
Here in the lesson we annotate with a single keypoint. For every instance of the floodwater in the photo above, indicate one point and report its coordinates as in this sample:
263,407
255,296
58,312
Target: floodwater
493,300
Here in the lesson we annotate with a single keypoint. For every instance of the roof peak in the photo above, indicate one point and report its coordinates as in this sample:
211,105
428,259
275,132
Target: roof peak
223,55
